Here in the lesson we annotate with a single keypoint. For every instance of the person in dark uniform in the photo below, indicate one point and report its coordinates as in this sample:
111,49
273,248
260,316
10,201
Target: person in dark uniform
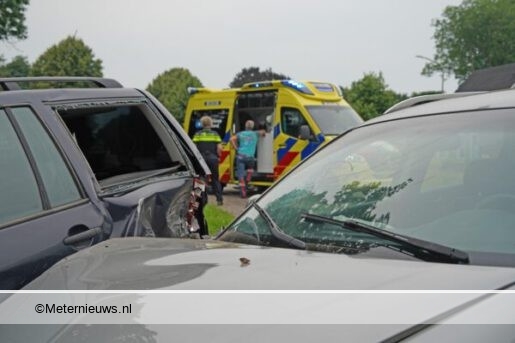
209,145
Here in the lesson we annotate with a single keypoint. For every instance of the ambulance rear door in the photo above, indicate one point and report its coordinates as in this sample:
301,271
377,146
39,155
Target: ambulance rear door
258,106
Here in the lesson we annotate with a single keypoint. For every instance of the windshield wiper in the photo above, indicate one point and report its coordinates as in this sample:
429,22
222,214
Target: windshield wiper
277,232
419,248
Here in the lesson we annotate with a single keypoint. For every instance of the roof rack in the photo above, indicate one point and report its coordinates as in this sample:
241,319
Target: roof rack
422,99
13,83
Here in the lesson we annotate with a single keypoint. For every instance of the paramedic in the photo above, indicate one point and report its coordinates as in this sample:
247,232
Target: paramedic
209,145
245,143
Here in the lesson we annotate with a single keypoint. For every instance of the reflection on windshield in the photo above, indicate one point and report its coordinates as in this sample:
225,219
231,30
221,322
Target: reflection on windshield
447,180
352,200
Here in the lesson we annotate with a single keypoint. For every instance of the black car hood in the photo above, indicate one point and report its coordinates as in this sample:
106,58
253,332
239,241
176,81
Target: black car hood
154,263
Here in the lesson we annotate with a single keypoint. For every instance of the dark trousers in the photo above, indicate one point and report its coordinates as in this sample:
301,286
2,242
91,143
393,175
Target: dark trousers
212,163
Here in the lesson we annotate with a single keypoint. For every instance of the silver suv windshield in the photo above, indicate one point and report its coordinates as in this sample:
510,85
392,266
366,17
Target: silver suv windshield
447,179
334,119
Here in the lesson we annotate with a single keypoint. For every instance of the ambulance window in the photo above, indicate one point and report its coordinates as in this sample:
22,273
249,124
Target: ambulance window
291,121
333,119
219,117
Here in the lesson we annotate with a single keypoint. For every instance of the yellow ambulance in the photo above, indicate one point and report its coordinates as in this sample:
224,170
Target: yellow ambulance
298,117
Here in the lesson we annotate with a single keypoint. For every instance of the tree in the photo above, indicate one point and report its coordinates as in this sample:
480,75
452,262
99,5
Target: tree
474,35
12,19
253,74
370,95
19,66
12,25
171,89
70,57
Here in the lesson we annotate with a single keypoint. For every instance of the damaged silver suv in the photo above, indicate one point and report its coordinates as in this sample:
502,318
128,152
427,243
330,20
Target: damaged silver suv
82,160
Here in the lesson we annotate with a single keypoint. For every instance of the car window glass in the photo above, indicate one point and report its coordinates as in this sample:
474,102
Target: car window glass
19,194
119,142
291,121
333,119
448,165
58,182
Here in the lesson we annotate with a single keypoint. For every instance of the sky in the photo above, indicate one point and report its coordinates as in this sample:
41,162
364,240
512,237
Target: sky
334,41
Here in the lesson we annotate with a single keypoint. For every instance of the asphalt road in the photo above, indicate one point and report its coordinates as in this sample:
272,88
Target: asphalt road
232,201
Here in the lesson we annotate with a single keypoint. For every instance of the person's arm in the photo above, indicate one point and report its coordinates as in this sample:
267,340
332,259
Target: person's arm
219,149
233,142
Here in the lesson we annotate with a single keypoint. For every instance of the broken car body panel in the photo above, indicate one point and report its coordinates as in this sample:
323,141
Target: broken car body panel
155,210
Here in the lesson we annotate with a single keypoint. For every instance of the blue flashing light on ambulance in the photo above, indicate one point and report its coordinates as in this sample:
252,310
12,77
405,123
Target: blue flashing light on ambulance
298,117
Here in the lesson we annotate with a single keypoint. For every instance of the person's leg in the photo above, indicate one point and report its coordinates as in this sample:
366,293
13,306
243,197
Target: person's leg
217,187
249,165
240,174
212,167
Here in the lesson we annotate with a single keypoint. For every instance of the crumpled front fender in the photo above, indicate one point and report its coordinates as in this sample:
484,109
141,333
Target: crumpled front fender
154,210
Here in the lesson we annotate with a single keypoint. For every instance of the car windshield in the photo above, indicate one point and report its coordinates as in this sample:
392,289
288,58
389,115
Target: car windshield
446,179
334,119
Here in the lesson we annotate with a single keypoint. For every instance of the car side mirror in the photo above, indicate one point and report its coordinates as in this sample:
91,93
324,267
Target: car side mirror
304,132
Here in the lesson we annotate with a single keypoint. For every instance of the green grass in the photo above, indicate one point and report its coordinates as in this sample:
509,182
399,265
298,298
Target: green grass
216,218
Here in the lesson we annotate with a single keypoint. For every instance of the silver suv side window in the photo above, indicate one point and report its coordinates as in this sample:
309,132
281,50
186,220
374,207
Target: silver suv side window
19,194
56,177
